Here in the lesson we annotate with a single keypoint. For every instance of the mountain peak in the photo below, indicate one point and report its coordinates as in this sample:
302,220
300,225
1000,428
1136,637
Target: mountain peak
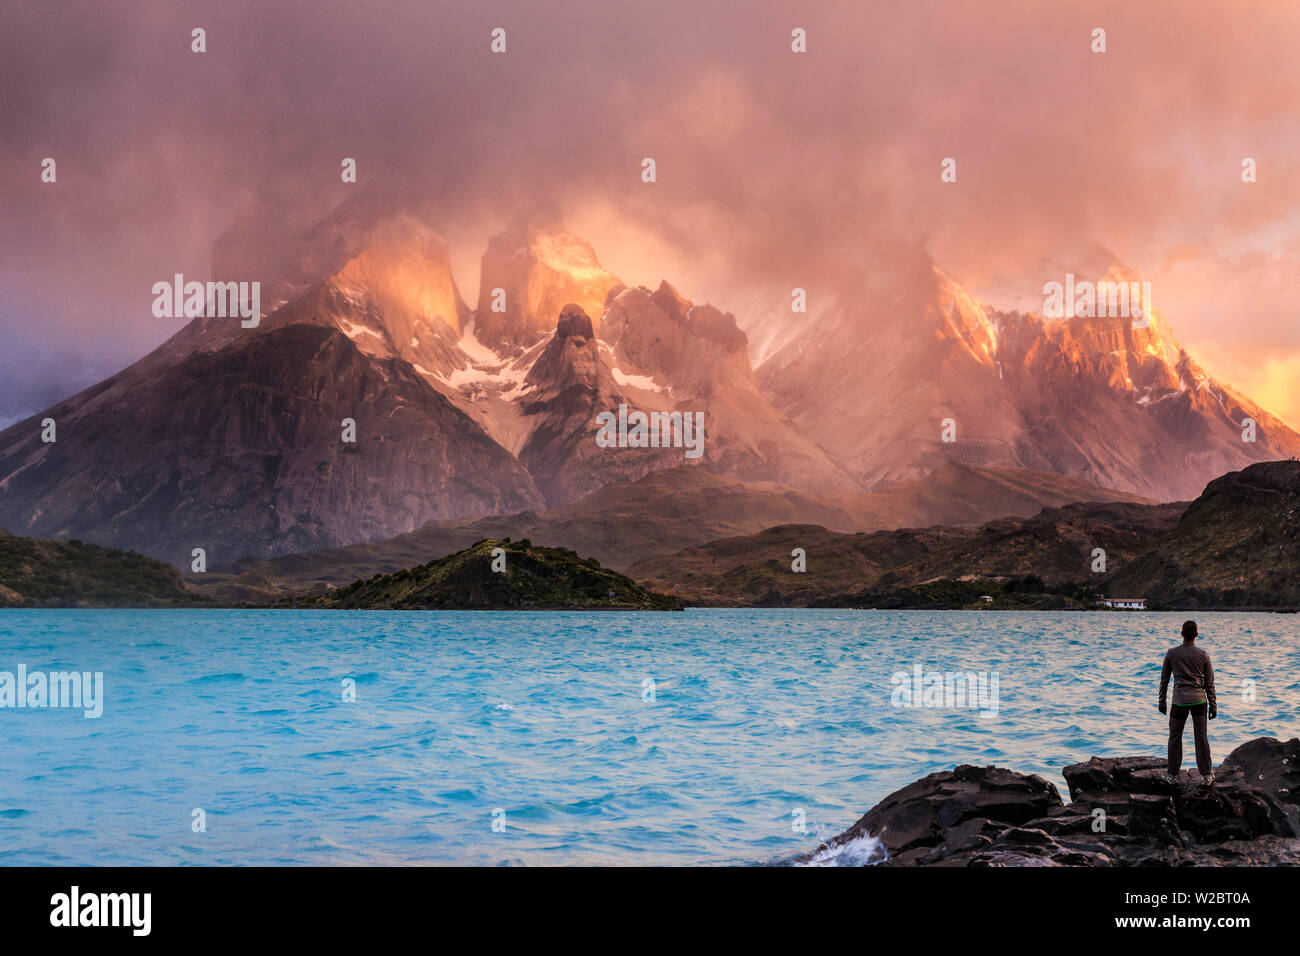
405,268
574,322
394,296
670,300
571,358
530,271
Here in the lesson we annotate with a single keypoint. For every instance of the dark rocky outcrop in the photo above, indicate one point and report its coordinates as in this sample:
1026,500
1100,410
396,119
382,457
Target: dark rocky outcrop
574,322
1236,546
1122,813
953,811
568,386
1266,763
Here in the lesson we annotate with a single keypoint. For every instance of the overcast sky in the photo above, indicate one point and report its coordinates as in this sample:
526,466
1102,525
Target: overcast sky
772,167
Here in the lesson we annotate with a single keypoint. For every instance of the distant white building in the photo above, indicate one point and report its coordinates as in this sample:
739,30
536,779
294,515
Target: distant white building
1126,604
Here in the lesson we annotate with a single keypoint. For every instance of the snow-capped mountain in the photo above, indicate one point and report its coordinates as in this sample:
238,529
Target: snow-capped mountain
698,357
233,439
1117,401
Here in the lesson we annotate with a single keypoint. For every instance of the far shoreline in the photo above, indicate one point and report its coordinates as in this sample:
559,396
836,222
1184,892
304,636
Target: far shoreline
206,606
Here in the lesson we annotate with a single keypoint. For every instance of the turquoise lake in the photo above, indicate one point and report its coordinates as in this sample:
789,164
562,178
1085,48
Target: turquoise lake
704,737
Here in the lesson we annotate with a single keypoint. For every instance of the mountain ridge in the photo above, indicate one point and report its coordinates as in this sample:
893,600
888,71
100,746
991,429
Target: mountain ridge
668,511
231,439
1237,545
1112,400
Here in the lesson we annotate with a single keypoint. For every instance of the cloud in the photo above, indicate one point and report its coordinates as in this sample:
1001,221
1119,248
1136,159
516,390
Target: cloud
771,164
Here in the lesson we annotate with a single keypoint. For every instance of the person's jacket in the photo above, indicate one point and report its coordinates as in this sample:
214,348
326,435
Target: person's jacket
1193,676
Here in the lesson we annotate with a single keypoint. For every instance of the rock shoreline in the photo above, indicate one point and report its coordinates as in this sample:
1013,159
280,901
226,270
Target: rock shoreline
1121,814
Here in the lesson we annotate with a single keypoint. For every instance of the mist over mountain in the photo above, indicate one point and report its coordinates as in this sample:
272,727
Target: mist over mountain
1106,399
237,440
535,266
775,167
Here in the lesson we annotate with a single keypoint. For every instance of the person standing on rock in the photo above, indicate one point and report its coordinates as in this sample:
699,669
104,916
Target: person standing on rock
1193,696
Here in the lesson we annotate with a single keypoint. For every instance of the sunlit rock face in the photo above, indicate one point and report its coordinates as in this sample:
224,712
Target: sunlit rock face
539,267
904,349
232,435
382,277
405,271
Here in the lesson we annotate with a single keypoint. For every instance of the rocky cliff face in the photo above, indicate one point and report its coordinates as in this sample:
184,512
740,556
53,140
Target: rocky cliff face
540,267
239,451
698,356
568,386
989,816
905,347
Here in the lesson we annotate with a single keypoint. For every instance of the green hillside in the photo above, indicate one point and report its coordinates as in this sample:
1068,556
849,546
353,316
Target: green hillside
534,578
39,572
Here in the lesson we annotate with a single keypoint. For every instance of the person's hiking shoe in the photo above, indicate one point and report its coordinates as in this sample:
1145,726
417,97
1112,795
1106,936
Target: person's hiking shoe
1207,781
1166,778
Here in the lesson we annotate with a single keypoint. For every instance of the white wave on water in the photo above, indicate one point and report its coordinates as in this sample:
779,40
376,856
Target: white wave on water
863,850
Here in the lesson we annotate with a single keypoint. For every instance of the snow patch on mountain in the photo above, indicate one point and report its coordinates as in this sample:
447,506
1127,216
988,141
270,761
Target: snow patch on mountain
356,332
478,352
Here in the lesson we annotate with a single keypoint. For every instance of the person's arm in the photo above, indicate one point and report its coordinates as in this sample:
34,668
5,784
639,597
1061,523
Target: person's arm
1213,710
1165,671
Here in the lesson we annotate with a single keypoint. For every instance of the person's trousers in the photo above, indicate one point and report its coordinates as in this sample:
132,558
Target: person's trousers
1177,718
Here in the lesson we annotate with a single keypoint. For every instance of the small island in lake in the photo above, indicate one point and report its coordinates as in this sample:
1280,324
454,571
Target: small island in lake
497,575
